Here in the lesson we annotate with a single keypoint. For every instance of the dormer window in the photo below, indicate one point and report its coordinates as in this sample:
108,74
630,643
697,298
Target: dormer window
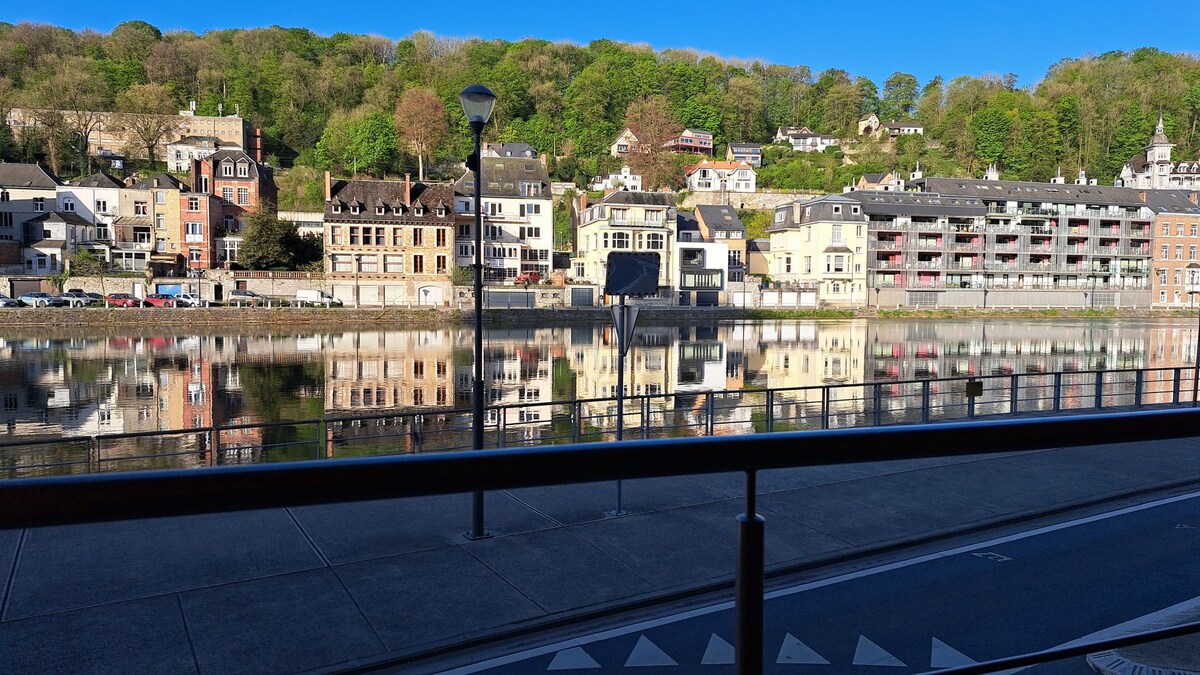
227,169
243,170
420,211
354,208
379,210
441,212
395,210
336,208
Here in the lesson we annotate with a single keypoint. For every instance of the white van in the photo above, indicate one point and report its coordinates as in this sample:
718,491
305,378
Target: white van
306,296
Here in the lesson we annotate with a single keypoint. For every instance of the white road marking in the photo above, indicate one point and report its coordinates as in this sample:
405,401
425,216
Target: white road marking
783,592
992,556
868,653
794,651
718,653
574,658
942,655
646,653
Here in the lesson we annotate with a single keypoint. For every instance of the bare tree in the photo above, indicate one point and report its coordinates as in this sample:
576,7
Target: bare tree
650,119
421,123
147,112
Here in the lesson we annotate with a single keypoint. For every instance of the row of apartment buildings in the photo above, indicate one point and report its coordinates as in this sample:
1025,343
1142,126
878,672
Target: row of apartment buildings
156,224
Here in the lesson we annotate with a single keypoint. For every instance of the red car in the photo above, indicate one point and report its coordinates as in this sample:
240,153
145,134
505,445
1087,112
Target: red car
159,300
121,300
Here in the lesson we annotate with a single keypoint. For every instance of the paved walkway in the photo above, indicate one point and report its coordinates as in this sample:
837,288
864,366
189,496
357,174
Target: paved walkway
313,588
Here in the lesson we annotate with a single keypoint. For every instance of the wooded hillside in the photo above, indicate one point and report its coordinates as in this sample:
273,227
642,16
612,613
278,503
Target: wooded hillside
332,102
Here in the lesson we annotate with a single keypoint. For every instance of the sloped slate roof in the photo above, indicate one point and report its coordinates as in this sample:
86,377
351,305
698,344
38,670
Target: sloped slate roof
390,193
101,180
640,199
720,217
502,177
1028,191
165,181
27,176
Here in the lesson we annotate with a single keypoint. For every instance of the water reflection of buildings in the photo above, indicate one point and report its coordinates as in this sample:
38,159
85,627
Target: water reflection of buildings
518,366
376,371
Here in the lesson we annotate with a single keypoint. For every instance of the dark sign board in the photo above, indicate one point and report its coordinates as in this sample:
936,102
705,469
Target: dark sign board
631,274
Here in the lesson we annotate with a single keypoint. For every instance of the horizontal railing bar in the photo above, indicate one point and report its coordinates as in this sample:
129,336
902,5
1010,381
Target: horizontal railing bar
1078,649
90,498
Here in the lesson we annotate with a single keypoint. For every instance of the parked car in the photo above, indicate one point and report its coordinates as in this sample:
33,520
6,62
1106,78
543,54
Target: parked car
6,301
159,300
239,298
77,299
528,278
38,299
189,300
306,296
99,299
121,300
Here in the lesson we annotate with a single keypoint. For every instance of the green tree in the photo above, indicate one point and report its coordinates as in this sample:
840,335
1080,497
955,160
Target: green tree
990,128
148,113
269,243
899,97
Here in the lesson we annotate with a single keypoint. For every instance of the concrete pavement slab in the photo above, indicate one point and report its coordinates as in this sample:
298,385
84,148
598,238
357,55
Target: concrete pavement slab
285,623
558,570
865,511
364,530
580,503
661,548
420,598
139,636
786,540
75,566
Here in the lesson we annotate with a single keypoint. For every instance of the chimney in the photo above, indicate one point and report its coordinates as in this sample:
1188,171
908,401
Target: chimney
582,202
1192,198
328,187
407,189
544,159
258,143
1142,197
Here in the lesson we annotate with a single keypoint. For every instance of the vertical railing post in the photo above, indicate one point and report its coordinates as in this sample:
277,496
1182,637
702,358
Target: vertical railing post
925,401
1057,392
770,410
322,438
577,421
749,586
1137,389
1099,389
94,455
877,395
645,417
1178,379
971,405
501,427
710,412
825,407
1014,391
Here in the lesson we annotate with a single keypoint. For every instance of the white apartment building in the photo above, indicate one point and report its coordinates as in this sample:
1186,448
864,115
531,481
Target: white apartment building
721,176
518,218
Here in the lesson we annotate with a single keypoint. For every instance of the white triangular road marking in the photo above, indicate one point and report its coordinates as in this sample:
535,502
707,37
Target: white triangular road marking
573,659
870,654
646,653
718,653
945,656
795,651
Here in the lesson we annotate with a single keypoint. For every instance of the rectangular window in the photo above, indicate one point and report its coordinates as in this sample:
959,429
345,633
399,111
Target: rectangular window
441,237
808,264
243,196
160,221
418,236
243,170
355,239
101,206
1163,252
193,203
69,205
654,242
227,195
194,255
1179,252
393,264
620,240
1192,252
441,264
39,204
160,197
140,209
368,264
418,264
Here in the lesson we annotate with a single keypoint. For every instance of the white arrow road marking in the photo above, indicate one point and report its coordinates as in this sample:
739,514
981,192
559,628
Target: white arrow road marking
573,659
646,653
870,654
719,652
945,656
795,651
992,556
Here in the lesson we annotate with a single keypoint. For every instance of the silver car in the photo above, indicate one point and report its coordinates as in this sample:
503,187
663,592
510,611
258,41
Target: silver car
38,299
6,301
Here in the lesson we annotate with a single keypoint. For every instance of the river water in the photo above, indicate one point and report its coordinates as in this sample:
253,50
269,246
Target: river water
76,385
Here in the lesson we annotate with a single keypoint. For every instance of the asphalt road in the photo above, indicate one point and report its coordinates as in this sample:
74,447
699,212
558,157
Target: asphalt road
1017,594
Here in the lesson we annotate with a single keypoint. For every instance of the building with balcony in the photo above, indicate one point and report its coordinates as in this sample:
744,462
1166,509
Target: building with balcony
180,153
621,180
692,140
167,257
518,218
750,153
27,191
802,139
1176,241
821,243
243,185
623,221
721,176
87,208
626,142
201,215
1030,235
388,242
721,224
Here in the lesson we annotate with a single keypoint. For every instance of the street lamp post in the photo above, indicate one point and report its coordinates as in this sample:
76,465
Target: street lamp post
477,103
1193,287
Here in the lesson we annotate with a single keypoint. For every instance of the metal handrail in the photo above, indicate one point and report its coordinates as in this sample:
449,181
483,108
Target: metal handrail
36,502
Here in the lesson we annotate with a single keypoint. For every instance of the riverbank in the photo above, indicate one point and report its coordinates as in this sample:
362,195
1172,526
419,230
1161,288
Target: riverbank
246,317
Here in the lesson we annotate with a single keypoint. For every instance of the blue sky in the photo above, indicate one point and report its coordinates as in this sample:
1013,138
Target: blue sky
926,39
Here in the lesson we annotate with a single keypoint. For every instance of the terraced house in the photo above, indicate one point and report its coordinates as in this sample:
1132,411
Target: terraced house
820,244
624,221
389,242
518,218
27,191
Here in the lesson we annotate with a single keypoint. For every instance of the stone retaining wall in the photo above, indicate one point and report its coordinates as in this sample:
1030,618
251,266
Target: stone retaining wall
755,201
